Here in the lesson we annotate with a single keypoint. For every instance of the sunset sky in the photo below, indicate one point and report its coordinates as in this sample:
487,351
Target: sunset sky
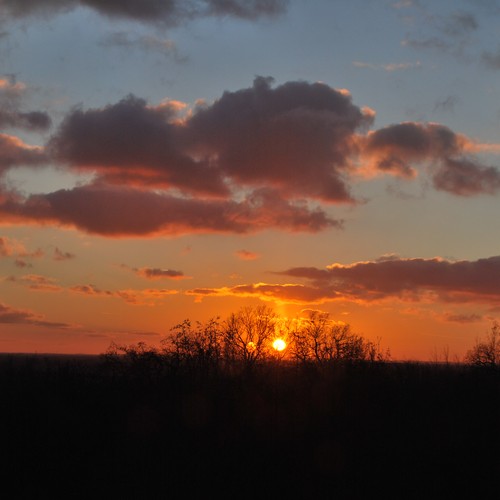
166,159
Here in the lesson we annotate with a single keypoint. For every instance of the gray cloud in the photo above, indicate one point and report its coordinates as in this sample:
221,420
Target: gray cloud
145,43
130,212
466,178
297,138
169,12
11,113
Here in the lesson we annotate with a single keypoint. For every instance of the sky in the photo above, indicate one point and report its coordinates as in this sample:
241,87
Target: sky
163,160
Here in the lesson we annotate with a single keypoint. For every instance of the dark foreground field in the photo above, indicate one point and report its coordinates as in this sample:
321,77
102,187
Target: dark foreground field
76,428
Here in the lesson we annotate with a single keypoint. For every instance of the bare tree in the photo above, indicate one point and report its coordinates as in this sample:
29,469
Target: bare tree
322,340
248,334
201,346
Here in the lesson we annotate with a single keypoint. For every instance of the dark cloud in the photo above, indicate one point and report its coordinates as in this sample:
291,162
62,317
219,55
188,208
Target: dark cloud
466,178
11,113
59,255
463,318
297,137
129,212
169,12
394,278
11,315
32,121
396,148
131,143
409,278
158,274
400,148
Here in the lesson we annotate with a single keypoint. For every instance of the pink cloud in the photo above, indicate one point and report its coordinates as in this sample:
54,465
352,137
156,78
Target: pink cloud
246,255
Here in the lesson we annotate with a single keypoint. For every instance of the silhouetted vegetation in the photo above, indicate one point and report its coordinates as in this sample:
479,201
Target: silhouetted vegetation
205,414
486,353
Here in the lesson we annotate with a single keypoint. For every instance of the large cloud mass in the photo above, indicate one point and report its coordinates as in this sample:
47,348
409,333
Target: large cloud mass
256,158
169,12
297,138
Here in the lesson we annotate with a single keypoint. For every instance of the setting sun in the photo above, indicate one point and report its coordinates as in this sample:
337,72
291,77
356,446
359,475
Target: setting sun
279,345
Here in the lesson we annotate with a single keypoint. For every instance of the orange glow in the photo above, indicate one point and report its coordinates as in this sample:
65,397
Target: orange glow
279,345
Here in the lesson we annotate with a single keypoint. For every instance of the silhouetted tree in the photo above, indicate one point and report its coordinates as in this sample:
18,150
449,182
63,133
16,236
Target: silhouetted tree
321,340
486,352
248,334
138,359
200,346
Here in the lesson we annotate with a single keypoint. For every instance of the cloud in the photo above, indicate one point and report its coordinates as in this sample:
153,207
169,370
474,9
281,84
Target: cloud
158,274
491,59
130,212
258,158
11,315
246,255
390,67
11,114
462,318
297,137
145,43
37,282
6,247
14,152
132,143
434,43
406,280
10,247
460,24
409,279
281,293
446,104
134,297
467,178
59,255
169,12
399,149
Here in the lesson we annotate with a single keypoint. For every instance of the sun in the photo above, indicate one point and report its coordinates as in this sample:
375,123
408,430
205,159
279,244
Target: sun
279,345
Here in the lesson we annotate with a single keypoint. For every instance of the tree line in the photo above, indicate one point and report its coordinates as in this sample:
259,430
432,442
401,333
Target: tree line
248,338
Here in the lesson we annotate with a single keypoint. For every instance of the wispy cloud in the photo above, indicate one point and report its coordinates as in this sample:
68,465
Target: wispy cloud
246,255
389,67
